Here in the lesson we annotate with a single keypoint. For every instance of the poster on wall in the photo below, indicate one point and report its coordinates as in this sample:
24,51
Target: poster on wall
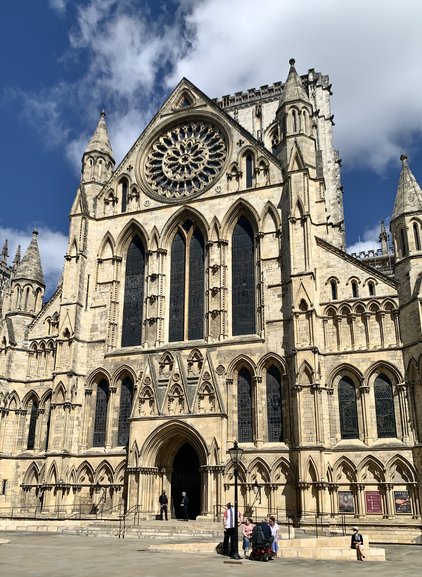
373,502
402,502
345,502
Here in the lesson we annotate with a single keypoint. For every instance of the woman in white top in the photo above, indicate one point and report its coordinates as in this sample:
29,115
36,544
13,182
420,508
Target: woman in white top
274,528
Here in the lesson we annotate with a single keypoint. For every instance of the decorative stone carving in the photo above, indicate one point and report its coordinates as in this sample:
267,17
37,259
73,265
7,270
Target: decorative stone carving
185,159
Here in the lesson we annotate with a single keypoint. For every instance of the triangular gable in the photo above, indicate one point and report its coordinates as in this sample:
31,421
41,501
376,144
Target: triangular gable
207,398
185,101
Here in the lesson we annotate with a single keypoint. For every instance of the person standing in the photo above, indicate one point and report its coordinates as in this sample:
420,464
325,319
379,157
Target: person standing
229,530
274,532
163,500
184,505
357,543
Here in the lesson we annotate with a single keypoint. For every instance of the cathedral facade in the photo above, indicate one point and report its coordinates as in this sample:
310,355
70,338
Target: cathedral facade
207,297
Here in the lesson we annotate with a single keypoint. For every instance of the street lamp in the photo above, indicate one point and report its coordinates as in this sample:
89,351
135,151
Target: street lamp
235,456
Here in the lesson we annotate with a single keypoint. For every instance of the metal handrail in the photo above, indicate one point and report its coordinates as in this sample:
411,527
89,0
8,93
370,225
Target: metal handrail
122,520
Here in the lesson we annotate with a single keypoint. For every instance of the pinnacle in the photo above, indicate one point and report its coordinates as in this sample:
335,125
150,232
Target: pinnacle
409,193
100,141
293,89
29,268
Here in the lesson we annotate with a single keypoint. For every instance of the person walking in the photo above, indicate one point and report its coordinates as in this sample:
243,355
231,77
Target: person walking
163,500
357,543
184,505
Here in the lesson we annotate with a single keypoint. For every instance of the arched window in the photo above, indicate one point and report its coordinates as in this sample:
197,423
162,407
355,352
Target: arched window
371,288
33,417
333,285
355,291
244,407
294,121
274,405
100,419
187,284
403,242
384,407
348,409
249,170
243,279
416,236
126,397
124,188
134,294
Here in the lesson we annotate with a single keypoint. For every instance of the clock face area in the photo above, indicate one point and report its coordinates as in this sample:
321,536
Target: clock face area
185,159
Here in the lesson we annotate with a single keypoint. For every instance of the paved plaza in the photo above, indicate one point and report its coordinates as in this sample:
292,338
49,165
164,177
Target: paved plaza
46,555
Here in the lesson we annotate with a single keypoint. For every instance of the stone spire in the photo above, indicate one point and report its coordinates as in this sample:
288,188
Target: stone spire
100,141
409,193
5,252
17,258
383,238
293,89
30,268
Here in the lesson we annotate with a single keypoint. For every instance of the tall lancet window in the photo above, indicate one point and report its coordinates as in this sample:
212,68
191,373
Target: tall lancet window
243,279
100,419
348,409
126,397
384,407
33,417
187,284
134,294
244,407
274,405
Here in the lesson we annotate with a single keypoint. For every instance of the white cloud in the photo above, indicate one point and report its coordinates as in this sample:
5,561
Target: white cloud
52,245
371,50
59,6
370,239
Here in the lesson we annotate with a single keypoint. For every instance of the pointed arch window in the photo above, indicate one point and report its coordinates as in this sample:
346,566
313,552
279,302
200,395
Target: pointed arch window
100,419
348,409
134,294
403,243
126,398
416,236
244,407
371,288
243,279
333,285
187,284
124,189
355,290
274,405
249,170
384,407
33,418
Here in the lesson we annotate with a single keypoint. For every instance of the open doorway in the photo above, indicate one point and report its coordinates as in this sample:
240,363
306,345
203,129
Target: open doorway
186,477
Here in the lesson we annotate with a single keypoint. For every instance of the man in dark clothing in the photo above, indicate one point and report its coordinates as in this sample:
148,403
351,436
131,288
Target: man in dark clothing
163,500
184,505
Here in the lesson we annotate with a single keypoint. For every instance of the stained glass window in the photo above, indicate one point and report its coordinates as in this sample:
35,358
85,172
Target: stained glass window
126,396
187,271
249,171
384,407
243,279
177,288
244,406
100,420
274,405
33,417
134,294
348,409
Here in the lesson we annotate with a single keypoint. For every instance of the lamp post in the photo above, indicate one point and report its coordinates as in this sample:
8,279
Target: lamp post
235,456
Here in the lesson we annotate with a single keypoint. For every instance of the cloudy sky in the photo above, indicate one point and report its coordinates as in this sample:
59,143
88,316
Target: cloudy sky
62,61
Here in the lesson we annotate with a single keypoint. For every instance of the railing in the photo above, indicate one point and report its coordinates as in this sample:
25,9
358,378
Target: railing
122,520
78,511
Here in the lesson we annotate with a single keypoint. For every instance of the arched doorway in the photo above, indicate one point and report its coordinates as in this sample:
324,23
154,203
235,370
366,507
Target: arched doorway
186,477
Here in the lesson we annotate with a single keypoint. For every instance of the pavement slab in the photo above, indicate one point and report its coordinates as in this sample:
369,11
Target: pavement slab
50,555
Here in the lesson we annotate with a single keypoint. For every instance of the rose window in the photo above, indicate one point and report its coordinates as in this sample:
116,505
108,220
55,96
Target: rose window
185,159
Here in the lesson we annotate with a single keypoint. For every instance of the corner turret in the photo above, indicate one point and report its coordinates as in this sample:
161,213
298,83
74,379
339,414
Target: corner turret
28,283
97,161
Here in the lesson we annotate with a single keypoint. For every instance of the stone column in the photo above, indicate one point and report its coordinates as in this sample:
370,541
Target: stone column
404,411
358,489
366,417
258,413
110,410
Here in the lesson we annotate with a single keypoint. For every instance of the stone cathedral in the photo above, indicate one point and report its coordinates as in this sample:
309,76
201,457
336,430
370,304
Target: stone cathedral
207,297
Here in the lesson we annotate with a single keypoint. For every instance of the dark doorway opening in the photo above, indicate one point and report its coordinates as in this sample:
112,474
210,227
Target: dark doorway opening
186,477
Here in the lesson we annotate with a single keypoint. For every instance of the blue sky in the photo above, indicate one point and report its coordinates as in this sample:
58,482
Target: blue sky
62,61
